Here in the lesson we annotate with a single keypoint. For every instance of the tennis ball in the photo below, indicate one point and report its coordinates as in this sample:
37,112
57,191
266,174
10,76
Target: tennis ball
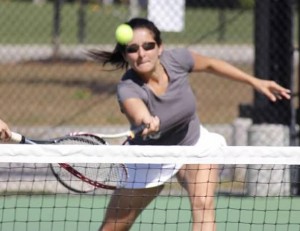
124,34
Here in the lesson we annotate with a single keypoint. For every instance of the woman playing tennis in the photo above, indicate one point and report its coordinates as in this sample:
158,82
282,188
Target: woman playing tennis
155,91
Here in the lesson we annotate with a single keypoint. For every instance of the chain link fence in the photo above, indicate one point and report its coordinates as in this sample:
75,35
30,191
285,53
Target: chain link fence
47,83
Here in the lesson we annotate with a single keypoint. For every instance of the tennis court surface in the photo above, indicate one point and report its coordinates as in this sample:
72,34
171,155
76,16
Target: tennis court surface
79,212
252,196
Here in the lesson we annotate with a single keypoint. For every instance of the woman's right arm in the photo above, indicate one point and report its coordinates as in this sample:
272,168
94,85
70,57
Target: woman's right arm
5,132
137,113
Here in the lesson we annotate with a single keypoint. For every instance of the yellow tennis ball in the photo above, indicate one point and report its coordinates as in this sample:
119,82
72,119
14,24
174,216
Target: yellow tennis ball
124,34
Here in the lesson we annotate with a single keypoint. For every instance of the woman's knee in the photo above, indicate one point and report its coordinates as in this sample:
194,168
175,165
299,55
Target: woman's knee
203,202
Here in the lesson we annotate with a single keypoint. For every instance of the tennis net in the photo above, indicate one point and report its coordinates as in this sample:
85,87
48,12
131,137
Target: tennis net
254,189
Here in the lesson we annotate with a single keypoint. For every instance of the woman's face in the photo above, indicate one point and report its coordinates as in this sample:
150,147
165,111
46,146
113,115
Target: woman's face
142,53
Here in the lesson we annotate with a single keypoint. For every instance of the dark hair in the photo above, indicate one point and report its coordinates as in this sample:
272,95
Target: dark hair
116,56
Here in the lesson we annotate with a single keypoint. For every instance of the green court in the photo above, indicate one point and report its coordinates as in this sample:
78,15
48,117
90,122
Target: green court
85,212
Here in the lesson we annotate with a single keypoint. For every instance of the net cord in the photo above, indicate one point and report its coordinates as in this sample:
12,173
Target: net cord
148,154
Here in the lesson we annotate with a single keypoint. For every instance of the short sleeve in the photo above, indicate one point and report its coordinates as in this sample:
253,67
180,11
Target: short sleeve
128,89
183,58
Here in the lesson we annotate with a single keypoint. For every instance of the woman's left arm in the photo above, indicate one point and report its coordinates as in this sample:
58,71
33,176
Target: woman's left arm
269,88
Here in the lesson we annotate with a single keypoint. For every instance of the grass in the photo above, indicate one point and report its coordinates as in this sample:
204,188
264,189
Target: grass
27,23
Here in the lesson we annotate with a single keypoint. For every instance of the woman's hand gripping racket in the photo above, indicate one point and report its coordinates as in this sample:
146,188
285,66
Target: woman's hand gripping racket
86,177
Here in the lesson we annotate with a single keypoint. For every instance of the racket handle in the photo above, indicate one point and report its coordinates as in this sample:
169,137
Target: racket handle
138,130
18,138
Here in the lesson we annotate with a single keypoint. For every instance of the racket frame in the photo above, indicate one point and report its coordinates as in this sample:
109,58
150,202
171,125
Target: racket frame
79,175
81,135
83,178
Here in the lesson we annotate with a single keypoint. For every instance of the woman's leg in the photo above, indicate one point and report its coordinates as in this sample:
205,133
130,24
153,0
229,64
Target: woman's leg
200,181
125,206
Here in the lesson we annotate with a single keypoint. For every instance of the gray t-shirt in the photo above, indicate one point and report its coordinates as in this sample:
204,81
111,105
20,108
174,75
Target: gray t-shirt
176,108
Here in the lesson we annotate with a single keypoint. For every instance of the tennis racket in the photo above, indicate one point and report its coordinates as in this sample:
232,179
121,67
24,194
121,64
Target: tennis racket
86,177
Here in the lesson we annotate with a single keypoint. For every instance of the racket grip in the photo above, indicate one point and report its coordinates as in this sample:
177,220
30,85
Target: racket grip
139,130
18,138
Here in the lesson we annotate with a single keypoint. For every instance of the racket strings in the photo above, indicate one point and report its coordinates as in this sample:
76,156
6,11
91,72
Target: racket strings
82,139
83,177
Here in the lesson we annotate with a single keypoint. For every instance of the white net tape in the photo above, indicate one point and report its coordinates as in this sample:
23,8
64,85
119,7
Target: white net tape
152,154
